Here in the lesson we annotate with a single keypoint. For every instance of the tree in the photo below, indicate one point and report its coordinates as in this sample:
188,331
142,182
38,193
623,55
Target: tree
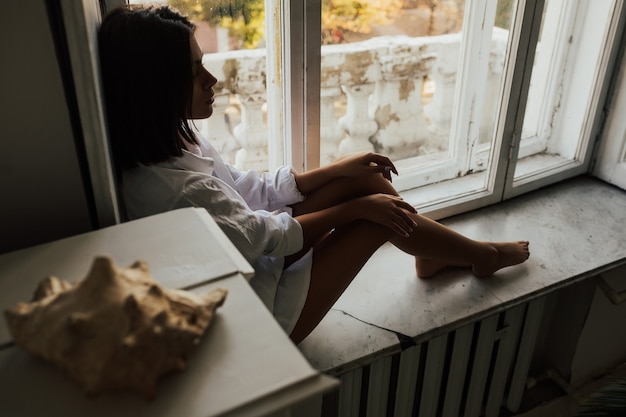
245,19
342,16
503,14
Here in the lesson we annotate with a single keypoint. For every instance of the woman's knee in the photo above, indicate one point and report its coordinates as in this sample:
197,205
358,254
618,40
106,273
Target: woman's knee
341,190
371,184
380,184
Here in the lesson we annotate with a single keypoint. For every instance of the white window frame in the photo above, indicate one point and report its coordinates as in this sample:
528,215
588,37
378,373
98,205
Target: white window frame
501,183
293,80
297,122
81,21
468,103
611,162
576,120
293,95
547,75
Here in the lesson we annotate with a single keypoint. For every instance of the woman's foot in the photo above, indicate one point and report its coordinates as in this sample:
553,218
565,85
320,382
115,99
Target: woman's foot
500,255
503,254
426,268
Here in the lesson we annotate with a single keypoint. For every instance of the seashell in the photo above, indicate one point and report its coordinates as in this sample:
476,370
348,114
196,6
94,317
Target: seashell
115,329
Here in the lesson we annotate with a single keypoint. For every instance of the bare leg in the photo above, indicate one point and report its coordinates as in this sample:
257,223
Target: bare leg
434,246
426,268
334,268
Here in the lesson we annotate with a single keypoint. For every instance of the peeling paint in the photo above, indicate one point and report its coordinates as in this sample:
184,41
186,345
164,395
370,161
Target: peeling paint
357,65
330,76
557,106
384,116
407,86
230,70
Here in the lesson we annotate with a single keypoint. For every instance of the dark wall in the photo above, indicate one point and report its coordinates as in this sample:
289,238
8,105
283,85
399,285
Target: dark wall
41,191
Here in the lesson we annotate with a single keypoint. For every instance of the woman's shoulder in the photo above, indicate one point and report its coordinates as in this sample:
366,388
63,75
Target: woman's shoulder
162,178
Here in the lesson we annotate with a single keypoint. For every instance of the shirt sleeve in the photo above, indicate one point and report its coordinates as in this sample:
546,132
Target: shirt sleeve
253,232
268,191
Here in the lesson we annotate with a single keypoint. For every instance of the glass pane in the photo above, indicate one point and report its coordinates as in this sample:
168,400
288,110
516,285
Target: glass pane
393,80
563,87
232,36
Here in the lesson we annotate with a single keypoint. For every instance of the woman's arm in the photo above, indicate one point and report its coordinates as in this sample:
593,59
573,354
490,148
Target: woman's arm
253,232
387,210
352,166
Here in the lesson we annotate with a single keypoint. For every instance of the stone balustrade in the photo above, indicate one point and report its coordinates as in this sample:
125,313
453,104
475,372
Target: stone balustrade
394,95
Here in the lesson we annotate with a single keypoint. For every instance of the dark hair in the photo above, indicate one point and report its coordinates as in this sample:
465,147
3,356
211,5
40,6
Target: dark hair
147,75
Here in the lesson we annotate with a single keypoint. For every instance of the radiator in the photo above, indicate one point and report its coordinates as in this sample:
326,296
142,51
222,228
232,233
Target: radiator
473,371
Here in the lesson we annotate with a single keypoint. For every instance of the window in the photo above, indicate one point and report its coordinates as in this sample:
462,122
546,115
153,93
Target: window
489,100
458,142
569,76
492,99
428,98
611,164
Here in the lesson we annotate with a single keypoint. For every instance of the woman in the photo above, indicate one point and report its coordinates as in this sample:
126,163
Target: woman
308,234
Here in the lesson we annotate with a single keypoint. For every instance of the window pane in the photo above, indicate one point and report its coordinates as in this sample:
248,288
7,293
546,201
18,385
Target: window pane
563,88
378,78
417,80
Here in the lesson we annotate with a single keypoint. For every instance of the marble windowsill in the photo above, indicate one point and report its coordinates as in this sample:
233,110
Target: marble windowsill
576,229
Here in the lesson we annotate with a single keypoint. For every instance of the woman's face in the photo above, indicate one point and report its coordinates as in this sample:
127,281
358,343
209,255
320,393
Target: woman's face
203,82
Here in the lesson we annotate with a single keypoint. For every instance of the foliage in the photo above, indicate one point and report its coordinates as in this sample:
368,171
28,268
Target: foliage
504,11
340,16
245,19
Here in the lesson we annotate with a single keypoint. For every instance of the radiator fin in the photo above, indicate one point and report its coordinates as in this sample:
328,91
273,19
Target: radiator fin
480,366
524,355
407,381
432,376
379,382
458,371
508,340
471,372
350,393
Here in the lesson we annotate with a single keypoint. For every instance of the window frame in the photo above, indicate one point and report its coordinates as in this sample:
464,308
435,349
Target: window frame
294,77
610,165
304,143
294,96
81,20
501,184
593,115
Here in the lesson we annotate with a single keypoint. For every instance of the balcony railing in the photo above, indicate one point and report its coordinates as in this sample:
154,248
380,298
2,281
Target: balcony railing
394,95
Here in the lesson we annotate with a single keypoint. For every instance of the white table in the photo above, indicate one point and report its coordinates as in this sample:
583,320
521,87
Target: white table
246,365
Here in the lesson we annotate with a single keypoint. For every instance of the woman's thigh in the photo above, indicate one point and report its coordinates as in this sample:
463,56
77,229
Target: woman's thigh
341,190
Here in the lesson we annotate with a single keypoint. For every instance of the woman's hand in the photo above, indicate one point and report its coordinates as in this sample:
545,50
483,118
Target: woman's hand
388,210
352,166
365,164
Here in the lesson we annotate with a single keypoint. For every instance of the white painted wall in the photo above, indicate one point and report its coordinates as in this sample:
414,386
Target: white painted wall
41,190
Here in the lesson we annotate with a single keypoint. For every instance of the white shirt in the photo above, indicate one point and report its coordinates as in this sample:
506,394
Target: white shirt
250,209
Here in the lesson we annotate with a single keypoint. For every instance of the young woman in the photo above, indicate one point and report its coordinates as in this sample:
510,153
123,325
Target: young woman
308,234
